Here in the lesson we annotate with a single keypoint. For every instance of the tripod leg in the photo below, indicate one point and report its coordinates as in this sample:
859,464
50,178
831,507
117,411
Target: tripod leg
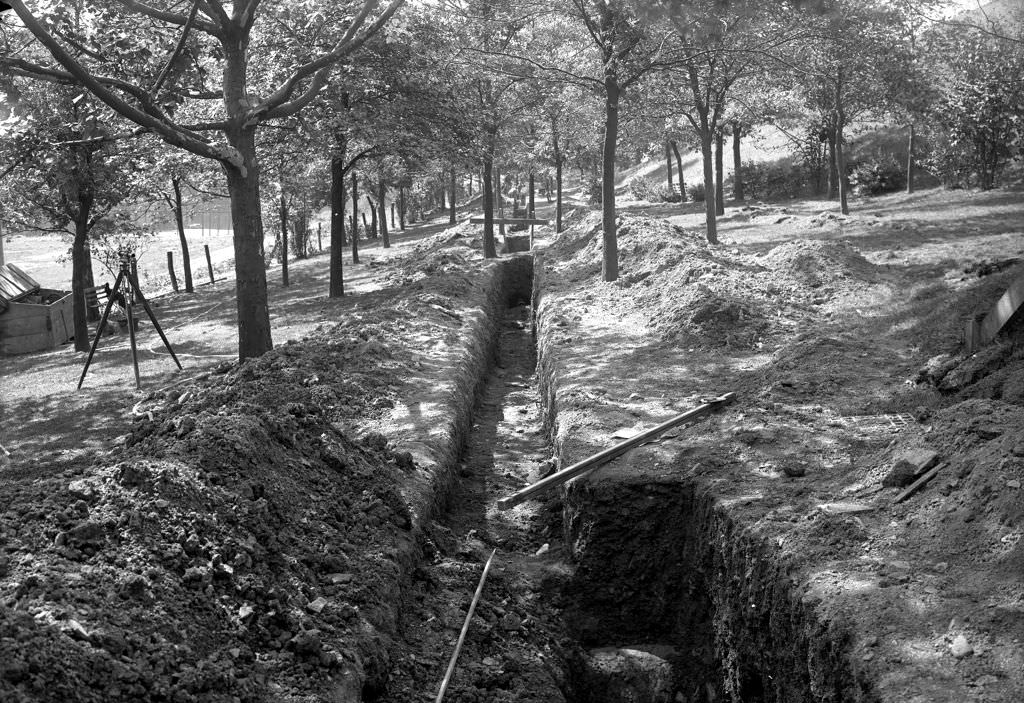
152,318
131,337
99,328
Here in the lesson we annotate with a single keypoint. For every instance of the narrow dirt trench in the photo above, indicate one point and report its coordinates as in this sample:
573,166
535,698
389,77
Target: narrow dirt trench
515,647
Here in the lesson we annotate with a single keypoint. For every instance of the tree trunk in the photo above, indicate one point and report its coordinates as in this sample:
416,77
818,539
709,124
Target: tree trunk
532,208
81,273
283,212
373,215
668,165
179,221
679,168
501,203
558,185
250,275
719,174
841,178
737,170
710,209
910,160
487,191
833,168
844,184
401,208
451,207
355,220
383,218
337,284
610,259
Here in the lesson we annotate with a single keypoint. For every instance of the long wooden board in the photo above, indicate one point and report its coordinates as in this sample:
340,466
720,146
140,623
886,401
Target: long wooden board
509,221
604,456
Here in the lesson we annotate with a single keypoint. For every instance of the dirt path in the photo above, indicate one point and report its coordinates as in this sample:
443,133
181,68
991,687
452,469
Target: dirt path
508,654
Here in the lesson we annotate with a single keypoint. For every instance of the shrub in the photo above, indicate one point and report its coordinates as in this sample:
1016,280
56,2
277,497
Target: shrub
877,175
670,195
647,189
696,192
773,181
594,191
643,189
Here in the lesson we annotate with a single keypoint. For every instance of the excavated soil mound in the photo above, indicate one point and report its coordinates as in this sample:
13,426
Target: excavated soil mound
699,295
241,543
814,263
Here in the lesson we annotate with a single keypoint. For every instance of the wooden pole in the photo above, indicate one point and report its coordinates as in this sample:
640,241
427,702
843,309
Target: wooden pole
209,262
465,629
170,271
607,455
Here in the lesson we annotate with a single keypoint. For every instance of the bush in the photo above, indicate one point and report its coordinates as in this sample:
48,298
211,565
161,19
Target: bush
877,176
647,189
773,181
594,191
670,195
696,192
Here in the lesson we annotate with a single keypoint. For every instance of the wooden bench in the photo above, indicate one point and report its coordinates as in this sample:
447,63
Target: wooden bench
97,297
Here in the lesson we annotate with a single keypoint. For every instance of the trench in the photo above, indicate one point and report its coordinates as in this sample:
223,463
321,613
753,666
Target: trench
612,592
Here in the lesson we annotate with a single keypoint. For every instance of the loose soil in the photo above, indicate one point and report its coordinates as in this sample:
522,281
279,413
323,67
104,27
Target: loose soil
274,531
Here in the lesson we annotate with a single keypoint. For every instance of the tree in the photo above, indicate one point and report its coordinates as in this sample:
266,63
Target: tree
718,45
846,68
172,172
68,174
215,58
626,49
978,122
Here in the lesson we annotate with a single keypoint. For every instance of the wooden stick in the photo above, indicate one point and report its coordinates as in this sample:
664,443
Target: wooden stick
918,484
612,452
465,629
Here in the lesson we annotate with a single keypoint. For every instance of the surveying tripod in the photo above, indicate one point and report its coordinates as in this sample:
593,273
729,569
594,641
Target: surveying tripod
129,291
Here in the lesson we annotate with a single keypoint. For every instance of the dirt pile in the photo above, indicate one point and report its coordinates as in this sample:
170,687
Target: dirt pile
814,263
699,295
240,545
244,542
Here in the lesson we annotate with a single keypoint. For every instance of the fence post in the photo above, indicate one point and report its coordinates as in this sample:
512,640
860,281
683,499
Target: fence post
209,264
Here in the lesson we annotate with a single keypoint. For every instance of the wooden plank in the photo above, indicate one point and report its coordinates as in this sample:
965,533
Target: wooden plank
509,221
25,343
972,336
1002,311
607,455
918,484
